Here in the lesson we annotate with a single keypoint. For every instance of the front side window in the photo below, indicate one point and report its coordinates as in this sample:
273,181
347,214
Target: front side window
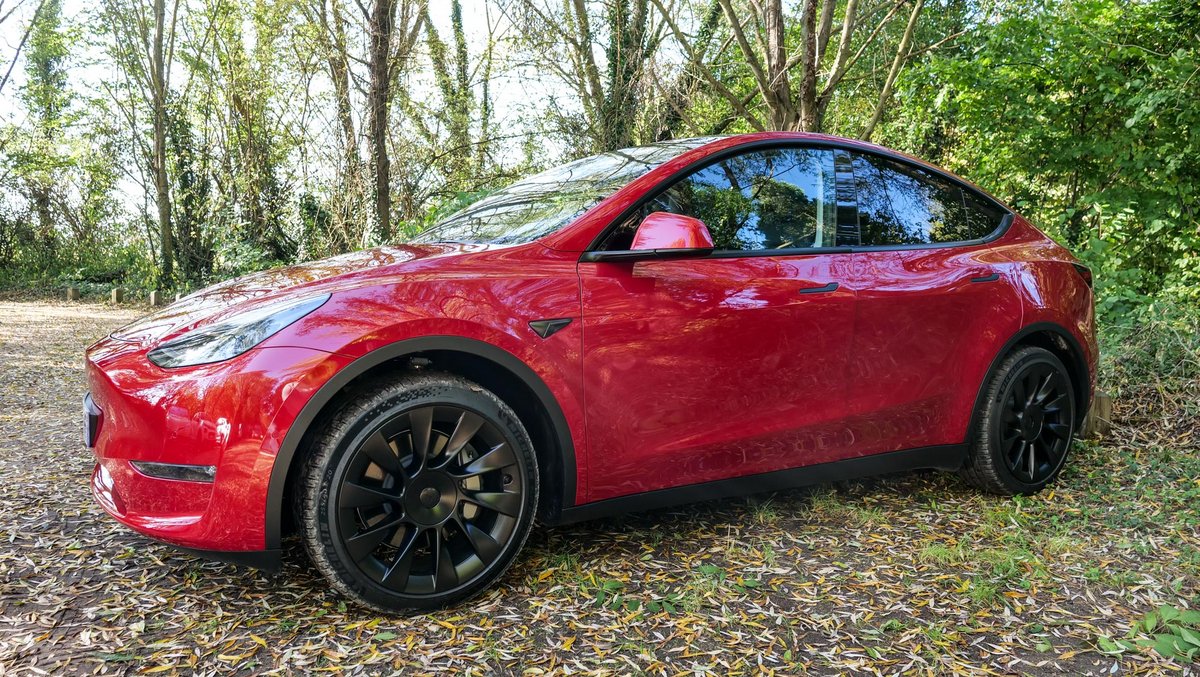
903,205
783,198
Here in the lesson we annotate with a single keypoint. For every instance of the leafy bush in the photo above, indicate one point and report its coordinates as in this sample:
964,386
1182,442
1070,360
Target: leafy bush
1171,632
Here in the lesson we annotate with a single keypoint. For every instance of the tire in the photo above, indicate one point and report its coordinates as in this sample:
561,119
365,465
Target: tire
402,531
1024,425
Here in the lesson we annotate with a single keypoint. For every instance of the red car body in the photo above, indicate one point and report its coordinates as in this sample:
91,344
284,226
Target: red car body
675,379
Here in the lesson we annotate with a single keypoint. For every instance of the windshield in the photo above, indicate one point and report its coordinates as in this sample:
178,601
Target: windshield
540,204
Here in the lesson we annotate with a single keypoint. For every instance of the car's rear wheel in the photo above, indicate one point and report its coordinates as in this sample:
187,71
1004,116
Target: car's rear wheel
1025,424
418,493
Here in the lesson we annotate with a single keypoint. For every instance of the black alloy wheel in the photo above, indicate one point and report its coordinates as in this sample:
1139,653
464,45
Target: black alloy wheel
1025,426
425,494
1036,422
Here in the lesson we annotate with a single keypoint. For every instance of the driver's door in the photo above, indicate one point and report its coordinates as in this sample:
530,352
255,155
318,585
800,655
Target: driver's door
701,369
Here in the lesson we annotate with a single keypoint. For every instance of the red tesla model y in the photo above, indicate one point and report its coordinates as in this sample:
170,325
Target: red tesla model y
683,321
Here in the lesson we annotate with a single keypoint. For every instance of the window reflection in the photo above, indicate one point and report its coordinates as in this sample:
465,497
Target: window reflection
899,205
540,204
774,199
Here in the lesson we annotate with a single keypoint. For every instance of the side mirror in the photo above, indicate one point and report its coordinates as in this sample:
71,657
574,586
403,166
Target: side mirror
663,230
662,235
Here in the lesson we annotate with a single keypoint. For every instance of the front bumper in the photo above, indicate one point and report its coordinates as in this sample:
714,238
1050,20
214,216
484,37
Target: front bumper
231,416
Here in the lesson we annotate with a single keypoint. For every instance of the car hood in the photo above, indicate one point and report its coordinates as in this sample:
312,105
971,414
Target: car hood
240,294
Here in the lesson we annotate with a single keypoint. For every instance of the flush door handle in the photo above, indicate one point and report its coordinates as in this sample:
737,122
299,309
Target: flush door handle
832,286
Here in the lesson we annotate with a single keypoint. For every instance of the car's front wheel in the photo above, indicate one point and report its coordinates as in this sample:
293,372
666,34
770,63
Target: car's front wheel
418,493
1024,426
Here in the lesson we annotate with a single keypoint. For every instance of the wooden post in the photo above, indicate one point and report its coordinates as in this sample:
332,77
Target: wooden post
118,295
72,294
156,298
1099,416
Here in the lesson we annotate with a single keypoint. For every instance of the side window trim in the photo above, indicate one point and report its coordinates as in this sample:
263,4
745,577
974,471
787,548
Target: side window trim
849,234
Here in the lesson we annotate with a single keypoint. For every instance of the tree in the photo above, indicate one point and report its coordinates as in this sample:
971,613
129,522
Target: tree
142,49
47,99
253,143
459,104
347,201
1093,139
797,84
455,138
390,39
5,14
563,40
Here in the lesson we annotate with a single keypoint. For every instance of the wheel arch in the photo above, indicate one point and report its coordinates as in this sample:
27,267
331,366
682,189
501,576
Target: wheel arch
1059,341
493,368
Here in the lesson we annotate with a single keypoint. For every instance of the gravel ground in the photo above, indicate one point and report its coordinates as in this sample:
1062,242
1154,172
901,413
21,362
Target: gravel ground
915,573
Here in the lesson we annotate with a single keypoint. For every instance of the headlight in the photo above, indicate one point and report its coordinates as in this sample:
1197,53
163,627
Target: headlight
232,336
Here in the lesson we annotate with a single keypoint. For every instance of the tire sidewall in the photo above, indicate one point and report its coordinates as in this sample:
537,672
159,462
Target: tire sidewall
995,411
374,410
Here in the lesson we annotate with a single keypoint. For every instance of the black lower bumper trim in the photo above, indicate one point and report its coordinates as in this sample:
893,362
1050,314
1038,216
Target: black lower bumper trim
267,560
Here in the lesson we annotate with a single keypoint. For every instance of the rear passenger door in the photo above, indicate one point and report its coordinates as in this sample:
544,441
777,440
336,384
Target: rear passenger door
933,300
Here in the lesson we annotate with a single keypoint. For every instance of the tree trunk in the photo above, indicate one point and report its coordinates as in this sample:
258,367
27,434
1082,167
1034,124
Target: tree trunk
808,120
380,25
339,72
626,55
158,167
778,92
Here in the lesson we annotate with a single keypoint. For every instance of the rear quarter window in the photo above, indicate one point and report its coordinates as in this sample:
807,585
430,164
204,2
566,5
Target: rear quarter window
903,205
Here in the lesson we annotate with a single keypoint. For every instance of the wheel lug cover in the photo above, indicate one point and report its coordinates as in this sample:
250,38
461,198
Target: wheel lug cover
430,497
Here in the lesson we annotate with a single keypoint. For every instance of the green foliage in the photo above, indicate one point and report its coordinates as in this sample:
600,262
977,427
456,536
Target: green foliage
1168,631
1155,347
57,174
1081,115
612,595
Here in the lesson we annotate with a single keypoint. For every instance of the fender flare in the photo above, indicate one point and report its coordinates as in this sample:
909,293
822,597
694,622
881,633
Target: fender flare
1079,363
273,527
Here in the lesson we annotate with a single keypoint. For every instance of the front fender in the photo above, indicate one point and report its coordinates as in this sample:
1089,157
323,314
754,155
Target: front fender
550,388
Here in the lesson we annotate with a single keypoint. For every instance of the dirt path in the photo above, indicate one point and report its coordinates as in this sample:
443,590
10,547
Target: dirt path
913,573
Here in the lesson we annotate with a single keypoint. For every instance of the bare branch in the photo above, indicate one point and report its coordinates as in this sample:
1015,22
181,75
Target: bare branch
843,65
705,71
21,45
901,56
748,54
825,26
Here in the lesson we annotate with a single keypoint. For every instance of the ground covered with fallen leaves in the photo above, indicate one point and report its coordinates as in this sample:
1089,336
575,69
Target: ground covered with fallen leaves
912,573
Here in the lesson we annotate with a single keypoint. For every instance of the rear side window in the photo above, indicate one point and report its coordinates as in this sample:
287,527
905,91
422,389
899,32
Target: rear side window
899,205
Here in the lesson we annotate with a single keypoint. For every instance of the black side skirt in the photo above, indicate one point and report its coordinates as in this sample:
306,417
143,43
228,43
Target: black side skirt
949,457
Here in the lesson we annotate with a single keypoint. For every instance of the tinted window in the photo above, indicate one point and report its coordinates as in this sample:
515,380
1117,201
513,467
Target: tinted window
898,204
773,199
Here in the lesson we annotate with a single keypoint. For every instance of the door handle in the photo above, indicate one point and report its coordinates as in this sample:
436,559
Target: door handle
986,278
832,286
